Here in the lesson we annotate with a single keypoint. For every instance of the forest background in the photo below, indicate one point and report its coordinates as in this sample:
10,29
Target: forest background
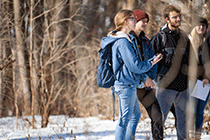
49,53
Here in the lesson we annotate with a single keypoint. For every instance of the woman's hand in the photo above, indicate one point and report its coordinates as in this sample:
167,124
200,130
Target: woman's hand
149,83
157,59
205,82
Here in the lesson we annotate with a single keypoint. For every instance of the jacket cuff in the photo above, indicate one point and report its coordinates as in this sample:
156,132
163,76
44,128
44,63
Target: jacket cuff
144,78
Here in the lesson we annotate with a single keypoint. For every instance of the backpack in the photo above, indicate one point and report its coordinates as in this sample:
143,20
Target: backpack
105,74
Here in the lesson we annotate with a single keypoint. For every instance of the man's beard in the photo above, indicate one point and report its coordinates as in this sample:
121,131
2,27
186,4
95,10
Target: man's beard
175,25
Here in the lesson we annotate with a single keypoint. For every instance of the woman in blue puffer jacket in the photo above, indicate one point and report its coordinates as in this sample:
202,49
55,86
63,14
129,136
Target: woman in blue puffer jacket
128,70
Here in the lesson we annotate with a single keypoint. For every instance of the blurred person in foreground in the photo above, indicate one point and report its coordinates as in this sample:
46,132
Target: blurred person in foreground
197,72
146,91
172,84
127,69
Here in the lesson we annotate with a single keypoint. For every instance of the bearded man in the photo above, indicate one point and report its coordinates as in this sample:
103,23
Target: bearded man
171,93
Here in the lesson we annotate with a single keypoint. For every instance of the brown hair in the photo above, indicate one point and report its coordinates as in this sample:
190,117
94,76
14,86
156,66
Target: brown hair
120,18
170,8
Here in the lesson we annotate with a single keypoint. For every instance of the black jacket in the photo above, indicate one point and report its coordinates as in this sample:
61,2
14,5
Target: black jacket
165,42
207,40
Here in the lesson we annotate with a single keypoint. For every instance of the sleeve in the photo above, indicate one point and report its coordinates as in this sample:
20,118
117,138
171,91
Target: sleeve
207,56
156,43
144,77
207,40
130,58
152,72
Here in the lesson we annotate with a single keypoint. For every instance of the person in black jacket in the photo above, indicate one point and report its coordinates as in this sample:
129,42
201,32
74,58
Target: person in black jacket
173,43
146,92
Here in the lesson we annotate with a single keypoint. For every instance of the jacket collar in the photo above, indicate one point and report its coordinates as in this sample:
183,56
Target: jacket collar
133,35
121,34
166,29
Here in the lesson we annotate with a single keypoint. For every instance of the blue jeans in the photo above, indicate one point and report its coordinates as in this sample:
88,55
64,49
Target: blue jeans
129,113
200,106
168,98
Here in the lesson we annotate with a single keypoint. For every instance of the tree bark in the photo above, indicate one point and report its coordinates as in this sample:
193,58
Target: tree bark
1,81
37,37
153,25
131,4
57,30
24,83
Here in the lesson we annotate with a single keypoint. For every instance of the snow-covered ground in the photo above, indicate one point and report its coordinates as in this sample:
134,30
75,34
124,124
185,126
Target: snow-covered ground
66,128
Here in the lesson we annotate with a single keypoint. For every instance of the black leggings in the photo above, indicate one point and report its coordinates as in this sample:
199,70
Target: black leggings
150,102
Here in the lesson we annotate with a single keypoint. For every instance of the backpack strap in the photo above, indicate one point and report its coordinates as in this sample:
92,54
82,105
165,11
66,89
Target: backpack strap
113,98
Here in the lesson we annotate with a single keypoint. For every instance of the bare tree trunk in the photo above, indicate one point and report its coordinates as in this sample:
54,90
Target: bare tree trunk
15,72
44,87
60,35
15,83
1,62
53,62
15,87
1,81
37,37
33,73
83,65
6,101
154,25
109,12
24,83
3,35
131,4
70,80
90,21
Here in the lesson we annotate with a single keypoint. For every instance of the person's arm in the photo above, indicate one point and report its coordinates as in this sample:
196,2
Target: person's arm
131,60
156,43
206,56
207,40
152,72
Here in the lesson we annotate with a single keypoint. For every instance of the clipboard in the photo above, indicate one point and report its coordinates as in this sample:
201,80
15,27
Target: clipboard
199,91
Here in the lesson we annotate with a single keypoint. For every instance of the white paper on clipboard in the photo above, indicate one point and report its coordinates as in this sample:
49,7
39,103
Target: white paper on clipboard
199,91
